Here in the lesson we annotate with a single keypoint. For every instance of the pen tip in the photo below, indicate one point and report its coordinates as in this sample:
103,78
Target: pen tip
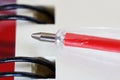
42,36
36,36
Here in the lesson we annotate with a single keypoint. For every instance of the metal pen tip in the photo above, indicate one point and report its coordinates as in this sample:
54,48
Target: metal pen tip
36,36
49,37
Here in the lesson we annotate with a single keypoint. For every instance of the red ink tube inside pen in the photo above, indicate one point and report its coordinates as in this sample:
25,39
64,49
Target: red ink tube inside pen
92,42
81,41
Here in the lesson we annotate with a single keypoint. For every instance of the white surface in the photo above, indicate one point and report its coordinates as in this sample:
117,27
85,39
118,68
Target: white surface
74,63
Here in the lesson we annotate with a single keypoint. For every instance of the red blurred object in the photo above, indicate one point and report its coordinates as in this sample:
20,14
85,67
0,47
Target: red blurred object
7,39
86,41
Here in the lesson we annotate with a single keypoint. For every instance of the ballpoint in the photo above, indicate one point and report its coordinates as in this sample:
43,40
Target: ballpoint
80,40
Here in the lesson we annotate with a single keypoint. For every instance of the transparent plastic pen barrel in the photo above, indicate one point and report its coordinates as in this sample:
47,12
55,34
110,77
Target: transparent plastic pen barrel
80,40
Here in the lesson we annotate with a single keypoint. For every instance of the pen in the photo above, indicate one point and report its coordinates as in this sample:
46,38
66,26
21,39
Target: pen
80,40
